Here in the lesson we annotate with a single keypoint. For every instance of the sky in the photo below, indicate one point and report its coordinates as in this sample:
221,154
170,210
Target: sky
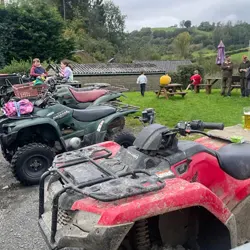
165,13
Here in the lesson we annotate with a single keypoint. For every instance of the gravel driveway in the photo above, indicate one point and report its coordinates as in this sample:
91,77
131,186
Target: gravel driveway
18,214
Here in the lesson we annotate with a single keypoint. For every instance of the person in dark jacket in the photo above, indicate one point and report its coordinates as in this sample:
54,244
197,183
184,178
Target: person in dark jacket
243,81
37,69
227,73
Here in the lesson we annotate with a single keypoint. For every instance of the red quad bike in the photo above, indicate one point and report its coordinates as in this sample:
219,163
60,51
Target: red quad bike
161,193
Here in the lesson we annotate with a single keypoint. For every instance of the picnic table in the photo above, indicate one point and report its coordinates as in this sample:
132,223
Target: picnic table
170,90
210,81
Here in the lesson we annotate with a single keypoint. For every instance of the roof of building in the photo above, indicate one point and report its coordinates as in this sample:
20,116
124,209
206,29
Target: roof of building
167,66
149,67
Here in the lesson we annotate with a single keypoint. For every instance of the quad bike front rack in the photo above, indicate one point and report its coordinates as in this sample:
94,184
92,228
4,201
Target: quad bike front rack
110,187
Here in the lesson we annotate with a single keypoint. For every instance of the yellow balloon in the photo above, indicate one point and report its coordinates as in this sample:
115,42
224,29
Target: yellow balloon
165,80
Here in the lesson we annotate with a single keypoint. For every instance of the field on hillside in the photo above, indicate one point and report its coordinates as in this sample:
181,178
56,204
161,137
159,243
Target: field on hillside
206,52
209,108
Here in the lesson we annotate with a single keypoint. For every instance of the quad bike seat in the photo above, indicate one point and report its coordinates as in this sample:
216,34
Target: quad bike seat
234,159
87,96
93,113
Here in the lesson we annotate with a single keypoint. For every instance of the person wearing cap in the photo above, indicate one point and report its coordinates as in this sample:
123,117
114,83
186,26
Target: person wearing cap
227,73
243,81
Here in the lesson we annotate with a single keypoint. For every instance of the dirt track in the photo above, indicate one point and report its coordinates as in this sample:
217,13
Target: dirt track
18,214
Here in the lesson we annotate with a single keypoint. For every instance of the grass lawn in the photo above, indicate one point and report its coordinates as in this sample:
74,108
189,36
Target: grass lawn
208,108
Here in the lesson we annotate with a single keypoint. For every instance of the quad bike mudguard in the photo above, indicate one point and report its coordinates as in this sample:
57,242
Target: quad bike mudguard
118,218
119,215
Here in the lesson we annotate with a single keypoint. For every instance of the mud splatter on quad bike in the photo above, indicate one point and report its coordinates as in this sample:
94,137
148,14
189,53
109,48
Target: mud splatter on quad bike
160,193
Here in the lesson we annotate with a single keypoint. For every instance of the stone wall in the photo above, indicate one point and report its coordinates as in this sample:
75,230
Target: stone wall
128,81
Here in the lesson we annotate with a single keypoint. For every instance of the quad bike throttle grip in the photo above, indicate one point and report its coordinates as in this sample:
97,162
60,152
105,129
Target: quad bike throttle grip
213,125
199,125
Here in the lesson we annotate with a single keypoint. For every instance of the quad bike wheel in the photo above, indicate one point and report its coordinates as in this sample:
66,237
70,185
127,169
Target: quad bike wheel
124,138
30,162
7,156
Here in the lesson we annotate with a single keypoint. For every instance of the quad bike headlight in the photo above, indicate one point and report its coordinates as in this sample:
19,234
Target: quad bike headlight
85,221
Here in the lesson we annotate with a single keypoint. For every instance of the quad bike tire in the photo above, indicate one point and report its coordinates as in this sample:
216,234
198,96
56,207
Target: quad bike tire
8,157
123,138
30,162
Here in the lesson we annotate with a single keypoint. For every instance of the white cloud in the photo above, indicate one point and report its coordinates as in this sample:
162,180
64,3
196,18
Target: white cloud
163,13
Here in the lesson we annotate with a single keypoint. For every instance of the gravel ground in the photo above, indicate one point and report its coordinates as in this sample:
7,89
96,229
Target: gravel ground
18,214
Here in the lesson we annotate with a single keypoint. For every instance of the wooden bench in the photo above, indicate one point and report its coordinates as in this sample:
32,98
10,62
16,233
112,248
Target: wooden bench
165,93
177,93
235,86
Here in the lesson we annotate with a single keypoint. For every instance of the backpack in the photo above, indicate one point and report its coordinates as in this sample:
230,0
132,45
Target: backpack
22,107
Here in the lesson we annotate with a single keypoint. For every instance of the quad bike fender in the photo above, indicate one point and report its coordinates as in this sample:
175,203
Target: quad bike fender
99,238
108,120
177,194
106,98
15,128
37,122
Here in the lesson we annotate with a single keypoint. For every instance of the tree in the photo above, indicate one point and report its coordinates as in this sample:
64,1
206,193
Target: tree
182,24
5,38
35,32
70,9
96,19
182,44
187,24
206,26
114,23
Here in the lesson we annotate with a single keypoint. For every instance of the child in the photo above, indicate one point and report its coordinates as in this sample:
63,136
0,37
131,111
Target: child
67,71
195,79
37,69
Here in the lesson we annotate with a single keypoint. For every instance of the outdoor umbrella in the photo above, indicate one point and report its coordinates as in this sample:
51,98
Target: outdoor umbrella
220,54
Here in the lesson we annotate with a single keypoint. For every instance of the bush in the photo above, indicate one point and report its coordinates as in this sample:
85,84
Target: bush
175,78
21,66
186,71
210,47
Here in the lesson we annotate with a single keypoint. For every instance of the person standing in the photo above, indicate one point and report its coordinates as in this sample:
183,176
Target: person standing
243,81
227,73
142,80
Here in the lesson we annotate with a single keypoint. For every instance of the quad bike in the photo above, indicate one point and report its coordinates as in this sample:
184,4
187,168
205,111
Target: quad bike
6,82
81,98
160,193
30,142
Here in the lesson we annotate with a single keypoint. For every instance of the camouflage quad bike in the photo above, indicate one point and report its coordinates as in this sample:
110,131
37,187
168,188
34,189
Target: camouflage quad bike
30,142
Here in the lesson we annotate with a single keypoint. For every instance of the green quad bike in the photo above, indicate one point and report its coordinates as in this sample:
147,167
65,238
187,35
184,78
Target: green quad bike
81,98
30,142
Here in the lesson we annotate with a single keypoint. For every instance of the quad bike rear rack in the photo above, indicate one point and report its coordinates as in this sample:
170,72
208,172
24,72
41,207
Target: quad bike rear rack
110,187
120,106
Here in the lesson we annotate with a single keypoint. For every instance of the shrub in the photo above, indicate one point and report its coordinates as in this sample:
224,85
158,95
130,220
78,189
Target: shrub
210,47
175,78
186,71
21,66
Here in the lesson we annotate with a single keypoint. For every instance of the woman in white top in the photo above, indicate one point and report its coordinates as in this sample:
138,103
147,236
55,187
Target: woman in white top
142,80
67,71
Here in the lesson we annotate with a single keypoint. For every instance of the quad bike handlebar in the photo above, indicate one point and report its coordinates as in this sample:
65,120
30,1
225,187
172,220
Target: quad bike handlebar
157,137
199,125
